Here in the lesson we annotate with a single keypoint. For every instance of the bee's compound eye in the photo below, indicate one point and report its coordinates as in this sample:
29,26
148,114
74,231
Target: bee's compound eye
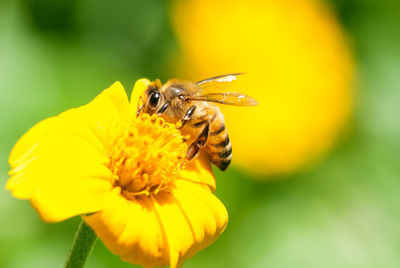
154,99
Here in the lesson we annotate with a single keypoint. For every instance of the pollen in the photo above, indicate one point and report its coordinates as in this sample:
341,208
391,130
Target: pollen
147,154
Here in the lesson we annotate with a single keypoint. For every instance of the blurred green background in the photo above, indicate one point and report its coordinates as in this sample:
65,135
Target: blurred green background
342,212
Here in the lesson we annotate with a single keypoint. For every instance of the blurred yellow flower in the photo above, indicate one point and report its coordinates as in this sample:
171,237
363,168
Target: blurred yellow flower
123,174
298,68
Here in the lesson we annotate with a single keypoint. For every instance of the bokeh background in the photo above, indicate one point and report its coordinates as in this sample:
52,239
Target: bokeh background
338,206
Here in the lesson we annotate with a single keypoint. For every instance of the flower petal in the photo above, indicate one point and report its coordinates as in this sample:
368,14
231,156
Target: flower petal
93,118
69,181
161,230
67,154
131,229
199,171
80,197
192,218
140,86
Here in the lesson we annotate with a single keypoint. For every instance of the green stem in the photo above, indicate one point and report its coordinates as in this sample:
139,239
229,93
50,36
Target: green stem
83,244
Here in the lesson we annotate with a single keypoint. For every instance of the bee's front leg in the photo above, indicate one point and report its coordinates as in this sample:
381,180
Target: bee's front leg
186,117
163,108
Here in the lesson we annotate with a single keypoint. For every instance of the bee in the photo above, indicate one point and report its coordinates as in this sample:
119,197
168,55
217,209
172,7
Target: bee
191,105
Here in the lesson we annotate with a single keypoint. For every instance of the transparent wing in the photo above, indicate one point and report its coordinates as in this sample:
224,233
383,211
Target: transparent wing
221,83
228,98
217,89
226,78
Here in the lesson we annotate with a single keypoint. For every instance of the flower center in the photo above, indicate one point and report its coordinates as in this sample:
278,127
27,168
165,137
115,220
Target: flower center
146,156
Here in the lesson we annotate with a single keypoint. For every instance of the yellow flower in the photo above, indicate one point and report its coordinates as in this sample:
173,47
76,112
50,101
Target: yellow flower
297,66
123,174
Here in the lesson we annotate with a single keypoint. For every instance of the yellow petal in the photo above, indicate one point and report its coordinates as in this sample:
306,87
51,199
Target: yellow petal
140,86
70,199
199,171
192,218
62,156
132,230
161,230
26,145
74,179
61,163
89,121
66,177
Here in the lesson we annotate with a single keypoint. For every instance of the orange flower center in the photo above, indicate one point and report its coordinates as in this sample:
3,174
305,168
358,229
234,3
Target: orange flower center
146,156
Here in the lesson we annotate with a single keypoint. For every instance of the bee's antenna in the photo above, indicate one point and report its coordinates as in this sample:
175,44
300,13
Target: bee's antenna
141,107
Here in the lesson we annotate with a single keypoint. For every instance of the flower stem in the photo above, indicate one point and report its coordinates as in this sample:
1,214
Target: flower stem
83,244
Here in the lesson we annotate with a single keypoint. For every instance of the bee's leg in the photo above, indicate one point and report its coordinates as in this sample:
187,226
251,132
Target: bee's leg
186,117
200,142
163,108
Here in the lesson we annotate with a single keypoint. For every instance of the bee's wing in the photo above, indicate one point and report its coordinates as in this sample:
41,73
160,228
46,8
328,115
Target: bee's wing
221,83
229,98
217,89
226,78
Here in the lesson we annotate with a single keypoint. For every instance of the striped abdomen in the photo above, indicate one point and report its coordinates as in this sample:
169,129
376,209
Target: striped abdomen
218,145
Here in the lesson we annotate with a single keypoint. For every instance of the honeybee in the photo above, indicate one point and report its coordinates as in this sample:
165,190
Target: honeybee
191,106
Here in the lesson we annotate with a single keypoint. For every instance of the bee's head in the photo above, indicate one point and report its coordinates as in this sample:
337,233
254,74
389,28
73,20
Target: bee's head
151,99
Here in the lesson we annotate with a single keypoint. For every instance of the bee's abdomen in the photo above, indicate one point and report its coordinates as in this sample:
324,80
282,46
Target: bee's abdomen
219,146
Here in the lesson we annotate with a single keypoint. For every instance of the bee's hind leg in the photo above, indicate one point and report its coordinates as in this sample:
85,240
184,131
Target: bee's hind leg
201,140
